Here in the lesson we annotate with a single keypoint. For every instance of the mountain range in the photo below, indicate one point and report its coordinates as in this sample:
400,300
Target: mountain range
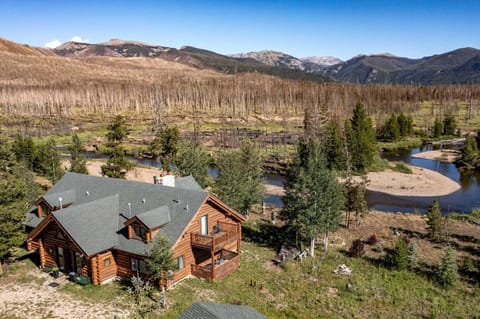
461,66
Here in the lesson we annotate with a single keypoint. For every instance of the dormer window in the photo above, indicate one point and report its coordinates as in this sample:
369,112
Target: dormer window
139,231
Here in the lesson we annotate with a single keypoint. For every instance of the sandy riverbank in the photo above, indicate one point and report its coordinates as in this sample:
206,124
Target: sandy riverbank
448,156
422,182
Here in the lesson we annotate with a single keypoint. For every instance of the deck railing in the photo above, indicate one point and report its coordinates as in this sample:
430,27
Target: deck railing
220,270
226,233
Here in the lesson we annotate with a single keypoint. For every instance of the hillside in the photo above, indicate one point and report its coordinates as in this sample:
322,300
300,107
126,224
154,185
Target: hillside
455,67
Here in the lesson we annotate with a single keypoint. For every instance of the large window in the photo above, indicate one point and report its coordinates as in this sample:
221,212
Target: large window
204,225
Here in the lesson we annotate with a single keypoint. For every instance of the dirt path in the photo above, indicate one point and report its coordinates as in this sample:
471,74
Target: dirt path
39,298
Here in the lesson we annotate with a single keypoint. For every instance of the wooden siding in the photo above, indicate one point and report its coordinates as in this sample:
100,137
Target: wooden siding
184,246
106,272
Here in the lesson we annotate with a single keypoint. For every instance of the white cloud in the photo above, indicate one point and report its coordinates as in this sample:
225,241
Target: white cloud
52,44
79,39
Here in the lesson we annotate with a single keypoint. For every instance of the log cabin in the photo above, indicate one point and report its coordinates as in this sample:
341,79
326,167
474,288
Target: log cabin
101,228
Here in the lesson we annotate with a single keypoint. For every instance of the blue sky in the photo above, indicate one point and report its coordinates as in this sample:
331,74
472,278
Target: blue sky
301,28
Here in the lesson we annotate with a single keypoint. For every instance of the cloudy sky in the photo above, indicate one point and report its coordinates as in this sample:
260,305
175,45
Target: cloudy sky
411,28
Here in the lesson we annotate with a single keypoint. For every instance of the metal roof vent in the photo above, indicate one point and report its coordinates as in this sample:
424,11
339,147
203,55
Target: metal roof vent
186,208
143,200
87,193
60,199
129,210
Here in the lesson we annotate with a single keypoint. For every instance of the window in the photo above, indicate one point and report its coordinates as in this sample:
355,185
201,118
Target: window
139,231
134,264
180,263
106,262
142,267
60,236
204,225
138,265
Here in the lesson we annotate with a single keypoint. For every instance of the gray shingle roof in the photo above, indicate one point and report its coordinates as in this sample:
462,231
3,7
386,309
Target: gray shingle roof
156,217
187,182
208,310
145,199
53,199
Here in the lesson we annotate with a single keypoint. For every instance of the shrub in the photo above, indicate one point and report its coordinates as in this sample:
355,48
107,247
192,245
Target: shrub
372,240
398,257
402,168
357,249
447,271
412,256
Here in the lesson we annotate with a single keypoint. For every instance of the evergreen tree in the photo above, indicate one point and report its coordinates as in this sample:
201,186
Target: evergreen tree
240,181
398,257
447,271
313,197
361,140
17,191
47,160
470,155
117,163
78,162
437,130
334,147
193,160
405,125
434,220
160,262
449,125
24,150
412,256
355,198
392,129
165,145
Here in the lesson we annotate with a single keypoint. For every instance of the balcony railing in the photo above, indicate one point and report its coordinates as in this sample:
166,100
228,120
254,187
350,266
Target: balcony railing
225,233
222,267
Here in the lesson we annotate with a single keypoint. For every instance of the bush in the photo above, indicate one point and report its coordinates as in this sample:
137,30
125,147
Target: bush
447,271
372,240
398,257
357,249
402,168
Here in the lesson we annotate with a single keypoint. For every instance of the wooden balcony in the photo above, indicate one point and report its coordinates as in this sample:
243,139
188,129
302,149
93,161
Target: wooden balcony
226,263
226,233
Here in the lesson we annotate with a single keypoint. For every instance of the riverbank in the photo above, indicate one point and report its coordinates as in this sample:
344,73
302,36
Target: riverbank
421,182
446,155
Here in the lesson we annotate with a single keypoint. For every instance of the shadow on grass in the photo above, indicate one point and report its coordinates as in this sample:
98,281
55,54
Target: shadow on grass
265,234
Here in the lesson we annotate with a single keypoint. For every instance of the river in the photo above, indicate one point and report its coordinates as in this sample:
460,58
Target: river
462,200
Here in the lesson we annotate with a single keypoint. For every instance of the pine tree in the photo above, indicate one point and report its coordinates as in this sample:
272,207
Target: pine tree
160,262
117,164
398,257
449,125
434,220
412,256
24,150
165,145
78,162
240,181
47,160
361,139
392,129
355,198
447,271
313,197
193,160
17,192
437,130
334,147
405,124
470,155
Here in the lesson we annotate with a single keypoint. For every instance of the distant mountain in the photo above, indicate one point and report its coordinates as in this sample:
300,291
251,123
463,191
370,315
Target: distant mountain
322,60
10,47
191,56
280,59
455,67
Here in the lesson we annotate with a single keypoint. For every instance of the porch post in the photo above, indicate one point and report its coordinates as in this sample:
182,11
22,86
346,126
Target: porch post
213,264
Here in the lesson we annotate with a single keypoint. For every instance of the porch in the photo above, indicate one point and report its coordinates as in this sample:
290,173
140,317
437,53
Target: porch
220,266
223,234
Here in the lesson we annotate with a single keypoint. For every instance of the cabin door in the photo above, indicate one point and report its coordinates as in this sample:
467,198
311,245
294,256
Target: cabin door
204,225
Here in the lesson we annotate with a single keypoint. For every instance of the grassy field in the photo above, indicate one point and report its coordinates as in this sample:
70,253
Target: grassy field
310,289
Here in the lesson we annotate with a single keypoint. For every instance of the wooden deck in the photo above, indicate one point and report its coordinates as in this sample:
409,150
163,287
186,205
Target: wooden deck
221,268
227,233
